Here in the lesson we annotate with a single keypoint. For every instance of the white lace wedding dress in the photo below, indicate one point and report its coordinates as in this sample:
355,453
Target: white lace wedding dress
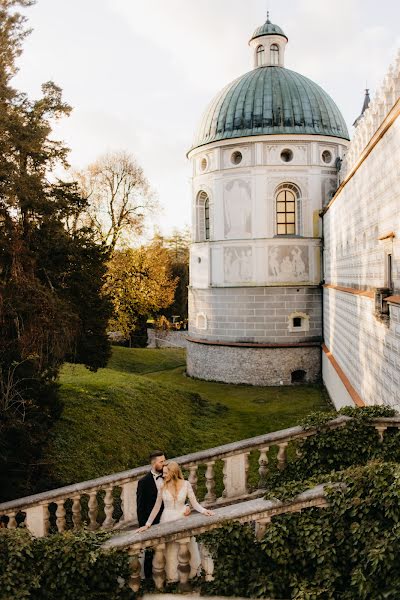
174,509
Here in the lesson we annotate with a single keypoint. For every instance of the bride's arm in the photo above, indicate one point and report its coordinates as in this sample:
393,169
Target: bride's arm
153,514
193,501
156,509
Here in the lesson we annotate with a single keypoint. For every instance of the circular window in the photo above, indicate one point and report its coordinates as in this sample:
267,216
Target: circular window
203,164
327,157
236,158
286,155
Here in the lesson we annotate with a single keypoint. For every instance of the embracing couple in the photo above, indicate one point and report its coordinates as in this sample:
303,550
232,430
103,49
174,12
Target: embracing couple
162,496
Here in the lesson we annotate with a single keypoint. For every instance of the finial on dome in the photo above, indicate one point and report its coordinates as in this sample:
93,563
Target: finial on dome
268,21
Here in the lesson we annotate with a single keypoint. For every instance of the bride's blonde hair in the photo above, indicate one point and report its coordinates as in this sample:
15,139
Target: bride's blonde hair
175,474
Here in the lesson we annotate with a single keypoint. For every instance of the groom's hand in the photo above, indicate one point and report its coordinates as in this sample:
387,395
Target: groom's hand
188,510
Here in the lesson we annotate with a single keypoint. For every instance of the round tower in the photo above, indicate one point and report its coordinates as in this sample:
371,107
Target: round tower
264,165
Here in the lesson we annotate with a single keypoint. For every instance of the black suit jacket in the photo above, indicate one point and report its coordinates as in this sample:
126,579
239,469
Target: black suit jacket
146,497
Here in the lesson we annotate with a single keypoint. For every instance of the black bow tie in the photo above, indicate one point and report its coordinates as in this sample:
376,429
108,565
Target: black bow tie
159,477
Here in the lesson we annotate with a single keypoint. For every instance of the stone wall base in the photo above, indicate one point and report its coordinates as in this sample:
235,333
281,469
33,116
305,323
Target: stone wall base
253,366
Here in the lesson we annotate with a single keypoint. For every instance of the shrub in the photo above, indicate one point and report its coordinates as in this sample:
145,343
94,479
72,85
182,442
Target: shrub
61,567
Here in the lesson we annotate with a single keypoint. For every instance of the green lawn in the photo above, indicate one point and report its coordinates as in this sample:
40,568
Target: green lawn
113,418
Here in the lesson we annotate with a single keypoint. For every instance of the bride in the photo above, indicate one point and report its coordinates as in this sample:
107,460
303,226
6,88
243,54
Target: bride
173,493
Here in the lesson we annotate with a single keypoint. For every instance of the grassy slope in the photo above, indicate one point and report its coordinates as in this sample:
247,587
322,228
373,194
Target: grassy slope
114,417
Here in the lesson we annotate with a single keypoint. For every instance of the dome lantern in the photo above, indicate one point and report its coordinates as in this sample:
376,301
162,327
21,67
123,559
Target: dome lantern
268,43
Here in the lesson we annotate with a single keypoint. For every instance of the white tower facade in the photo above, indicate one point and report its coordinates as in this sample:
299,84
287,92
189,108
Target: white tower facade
264,164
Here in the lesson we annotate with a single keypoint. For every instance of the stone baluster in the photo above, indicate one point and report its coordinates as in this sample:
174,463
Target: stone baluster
210,482
93,510
381,430
12,521
207,563
184,565
159,566
60,516
261,527
282,455
193,477
76,512
135,567
263,467
108,508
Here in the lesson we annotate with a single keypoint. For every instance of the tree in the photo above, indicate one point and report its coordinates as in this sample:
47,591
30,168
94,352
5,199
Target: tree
140,284
52,305
119,198
177,246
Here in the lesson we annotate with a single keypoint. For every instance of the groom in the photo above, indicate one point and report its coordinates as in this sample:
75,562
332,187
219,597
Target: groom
146,497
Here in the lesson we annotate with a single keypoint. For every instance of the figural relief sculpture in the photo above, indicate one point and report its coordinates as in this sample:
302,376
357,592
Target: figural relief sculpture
237,209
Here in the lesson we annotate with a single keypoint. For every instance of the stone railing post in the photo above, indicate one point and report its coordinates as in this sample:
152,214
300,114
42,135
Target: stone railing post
263,467
159,566
108,508
12,521
93,511
184,565
381,430
235,475
193,477
261,527
282,458
210,482
207,563
128,501
37,520
60,516
76,512
135,566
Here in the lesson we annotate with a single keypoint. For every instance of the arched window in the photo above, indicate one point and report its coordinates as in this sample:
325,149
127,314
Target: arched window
260,56
288,210
274,51
202,217
207,219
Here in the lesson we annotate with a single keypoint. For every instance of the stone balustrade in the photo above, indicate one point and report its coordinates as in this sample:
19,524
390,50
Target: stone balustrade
110,502
257,511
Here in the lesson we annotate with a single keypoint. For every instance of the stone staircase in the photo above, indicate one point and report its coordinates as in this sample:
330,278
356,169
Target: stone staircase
109,502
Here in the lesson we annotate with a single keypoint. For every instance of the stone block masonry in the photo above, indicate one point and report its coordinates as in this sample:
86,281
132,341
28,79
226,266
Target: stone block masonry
255,314
253,366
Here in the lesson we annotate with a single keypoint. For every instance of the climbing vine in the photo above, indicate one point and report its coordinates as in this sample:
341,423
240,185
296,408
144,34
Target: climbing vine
349,550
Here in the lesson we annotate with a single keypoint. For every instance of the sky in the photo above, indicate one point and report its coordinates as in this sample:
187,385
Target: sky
140,73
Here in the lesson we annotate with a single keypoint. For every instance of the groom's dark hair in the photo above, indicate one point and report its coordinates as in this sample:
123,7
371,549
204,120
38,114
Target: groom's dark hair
156,453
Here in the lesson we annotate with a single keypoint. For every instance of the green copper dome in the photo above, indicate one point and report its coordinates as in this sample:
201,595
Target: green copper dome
268,29
269,101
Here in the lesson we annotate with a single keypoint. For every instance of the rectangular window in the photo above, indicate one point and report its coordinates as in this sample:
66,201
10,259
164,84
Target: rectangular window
389,271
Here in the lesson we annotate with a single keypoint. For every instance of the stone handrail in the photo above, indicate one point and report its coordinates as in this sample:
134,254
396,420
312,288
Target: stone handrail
258,511
109,502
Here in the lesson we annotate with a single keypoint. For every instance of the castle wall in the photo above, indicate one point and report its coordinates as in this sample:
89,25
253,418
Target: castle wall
362,253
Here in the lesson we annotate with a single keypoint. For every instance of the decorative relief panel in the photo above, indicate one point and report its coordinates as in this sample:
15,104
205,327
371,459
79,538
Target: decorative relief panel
237,209
288,263
238,264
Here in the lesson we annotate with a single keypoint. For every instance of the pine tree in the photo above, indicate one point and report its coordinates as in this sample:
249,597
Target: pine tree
51,302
